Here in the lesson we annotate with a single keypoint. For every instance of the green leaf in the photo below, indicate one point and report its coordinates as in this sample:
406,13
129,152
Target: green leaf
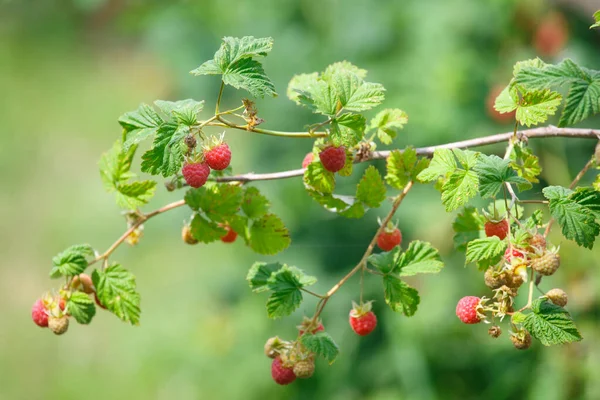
166,155
347,129
442,164
217,201
72,261
343,66
254,204
386,261
583,99
204,230
114,171
353,93
319,97
507,101
356,210
139,125
268,235
321,344
81,307
493,173
371,189
388,123
403,167
234,61
574,213
468,225
333,203
419,258
485,251
597,19
535,106
286,296
551,324
526,164
349,165
318,178
400,296
301,83
460,187
259,274
183,111
116,290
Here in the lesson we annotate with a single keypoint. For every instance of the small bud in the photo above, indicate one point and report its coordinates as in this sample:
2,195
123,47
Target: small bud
170,186
521,340
186,235
273,347
190,141
494,331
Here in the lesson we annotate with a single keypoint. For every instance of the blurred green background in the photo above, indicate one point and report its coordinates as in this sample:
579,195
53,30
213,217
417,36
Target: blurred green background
68,69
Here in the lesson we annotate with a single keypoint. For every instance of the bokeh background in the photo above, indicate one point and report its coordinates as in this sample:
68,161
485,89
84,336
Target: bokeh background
68,69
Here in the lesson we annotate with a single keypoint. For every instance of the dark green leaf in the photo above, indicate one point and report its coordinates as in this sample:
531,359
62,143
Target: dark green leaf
468,225
399,296
116,290
206,231
139,125
72,261
419,258
81,307
259,274
386,261
493,173
322,344
254,204
551,324
166,155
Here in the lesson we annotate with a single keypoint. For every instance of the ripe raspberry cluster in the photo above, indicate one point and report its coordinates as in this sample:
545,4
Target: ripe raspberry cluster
51,311
518,265
215,155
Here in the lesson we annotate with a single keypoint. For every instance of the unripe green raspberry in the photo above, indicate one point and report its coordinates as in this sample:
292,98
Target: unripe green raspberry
494,279
546,264
521,340
58,325
304,369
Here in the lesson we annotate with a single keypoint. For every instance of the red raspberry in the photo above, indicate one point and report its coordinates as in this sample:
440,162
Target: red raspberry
39,314
195,174
230,236
499,229
218,157
362,319
308,159
333,158
388,240
515,253
466,310
281,374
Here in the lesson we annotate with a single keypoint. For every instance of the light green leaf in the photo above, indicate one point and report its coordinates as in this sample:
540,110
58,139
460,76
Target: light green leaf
419,258
81,307
114,171
493,173
183,111
535,106
116,290
485,251
356,210
204,230
254,204
349,165
318,178
139,125
597,19
343,66
321,344
388,123
386,261
286,296
302,83
507,101
582,102
268,235
347,129
71,261
354,94
371,189
217,201
400,296
526,164
575,216
551,324
259,274
460,187
468,225
442,164
166,155
404,166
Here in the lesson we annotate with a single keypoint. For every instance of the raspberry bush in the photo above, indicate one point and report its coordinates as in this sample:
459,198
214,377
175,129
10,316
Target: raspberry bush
504,236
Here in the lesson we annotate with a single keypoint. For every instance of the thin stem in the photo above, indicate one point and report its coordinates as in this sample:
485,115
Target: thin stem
219,98
580,175
363,261
312,293
531,284
143,218
228,124
532,201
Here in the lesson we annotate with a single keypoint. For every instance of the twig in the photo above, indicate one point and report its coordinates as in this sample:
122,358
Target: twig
363,261
423,151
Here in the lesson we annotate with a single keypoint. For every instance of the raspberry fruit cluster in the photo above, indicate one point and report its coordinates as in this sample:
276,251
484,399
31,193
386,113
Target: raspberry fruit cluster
216,155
